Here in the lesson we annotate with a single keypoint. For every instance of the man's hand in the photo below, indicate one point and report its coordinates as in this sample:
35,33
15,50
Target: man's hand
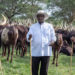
51,44
30,36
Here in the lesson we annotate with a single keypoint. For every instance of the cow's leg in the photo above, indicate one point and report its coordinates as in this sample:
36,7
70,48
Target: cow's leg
8,53
16,50
13,47
22,51
19,50
57,58
2,50
5,51
54,56
25,51
12,53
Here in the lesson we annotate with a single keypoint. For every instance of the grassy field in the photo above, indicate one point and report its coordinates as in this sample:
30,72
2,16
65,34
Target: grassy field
21,66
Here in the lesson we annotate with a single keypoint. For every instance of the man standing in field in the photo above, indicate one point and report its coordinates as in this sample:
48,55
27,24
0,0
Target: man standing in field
42,35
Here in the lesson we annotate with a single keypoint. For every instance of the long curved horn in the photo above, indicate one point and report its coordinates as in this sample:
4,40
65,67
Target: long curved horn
5,20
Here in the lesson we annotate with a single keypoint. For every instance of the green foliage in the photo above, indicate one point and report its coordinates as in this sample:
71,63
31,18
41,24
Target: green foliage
17,7
66,10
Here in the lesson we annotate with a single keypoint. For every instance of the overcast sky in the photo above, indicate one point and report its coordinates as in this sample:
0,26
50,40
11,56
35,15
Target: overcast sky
44,7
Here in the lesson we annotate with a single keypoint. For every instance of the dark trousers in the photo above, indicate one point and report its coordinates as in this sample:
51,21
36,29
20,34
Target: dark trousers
43,66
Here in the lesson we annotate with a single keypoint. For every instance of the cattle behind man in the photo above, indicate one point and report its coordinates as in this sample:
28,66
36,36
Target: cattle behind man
21,42
65,34
9,38
56,47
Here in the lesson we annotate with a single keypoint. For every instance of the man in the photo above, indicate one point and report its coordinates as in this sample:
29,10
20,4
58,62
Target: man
42,35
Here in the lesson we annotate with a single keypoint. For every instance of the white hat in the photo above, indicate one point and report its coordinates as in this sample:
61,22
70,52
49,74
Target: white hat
44,13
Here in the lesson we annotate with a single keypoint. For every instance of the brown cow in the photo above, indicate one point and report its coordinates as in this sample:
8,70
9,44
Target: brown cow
56,48
65,34
21,42
9,38
66,49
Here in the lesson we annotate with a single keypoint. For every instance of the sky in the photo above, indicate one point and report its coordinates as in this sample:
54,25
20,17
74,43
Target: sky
49,11
44,7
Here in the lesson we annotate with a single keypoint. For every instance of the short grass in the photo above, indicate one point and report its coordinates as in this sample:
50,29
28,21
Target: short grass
21,66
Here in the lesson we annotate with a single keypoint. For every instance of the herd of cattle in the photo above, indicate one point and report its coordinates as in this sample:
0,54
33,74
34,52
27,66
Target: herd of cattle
67,41
15,37
64,43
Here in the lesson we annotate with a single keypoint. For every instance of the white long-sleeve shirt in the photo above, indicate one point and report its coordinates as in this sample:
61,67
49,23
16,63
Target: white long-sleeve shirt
42,36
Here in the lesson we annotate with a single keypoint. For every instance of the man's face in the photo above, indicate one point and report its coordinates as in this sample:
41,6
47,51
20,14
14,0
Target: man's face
40,18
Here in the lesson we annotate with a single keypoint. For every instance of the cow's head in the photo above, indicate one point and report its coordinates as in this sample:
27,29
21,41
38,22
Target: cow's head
59,38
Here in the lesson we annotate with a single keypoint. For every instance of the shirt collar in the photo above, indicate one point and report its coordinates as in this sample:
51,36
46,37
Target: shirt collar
41,23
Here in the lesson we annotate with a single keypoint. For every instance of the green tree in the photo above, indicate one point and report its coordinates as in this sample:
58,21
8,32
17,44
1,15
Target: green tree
66,10
16,7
